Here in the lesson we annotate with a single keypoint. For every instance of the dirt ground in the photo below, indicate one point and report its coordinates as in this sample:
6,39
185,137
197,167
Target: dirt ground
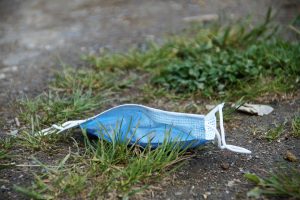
36,36
205,174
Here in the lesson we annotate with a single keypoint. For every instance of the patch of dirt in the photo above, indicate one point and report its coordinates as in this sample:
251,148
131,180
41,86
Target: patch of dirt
205,174
35,36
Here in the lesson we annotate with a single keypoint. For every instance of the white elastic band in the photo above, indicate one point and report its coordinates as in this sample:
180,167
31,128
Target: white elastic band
58,129
221,137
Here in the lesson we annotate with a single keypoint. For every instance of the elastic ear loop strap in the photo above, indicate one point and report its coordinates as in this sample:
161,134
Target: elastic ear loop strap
58,129
221,137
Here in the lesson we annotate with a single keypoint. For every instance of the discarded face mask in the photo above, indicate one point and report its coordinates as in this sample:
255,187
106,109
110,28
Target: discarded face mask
140,125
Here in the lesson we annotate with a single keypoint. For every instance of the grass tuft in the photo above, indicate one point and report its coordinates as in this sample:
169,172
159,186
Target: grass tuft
212,69
104,168
275,133
296,126
280,183
55,107
5,145
216,62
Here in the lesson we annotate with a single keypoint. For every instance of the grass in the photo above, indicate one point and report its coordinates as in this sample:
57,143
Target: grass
57,107
296,126
221,63
280,183
5,145
274,133
30,139
103,170
227,62
219,70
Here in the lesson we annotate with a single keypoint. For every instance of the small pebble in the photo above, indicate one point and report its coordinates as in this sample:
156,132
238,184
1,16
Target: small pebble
17,122
3,187
225,166
231,183
2,76
14,132
206,194
289,156
178,193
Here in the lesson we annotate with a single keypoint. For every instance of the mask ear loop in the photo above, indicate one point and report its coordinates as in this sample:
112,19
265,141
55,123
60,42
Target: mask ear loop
221,137
58,129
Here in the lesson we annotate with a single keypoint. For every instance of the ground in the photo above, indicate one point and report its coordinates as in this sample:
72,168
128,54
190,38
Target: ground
37,36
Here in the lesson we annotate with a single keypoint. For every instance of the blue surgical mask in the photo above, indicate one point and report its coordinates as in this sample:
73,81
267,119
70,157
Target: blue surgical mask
142,125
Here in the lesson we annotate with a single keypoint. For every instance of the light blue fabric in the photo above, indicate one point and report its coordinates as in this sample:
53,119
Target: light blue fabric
142,125
138,124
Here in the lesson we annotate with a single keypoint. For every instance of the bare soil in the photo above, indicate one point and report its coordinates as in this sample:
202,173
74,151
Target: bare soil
35,36
220,173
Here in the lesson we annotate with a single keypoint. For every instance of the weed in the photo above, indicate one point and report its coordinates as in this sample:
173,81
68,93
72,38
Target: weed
33,139
134,59
5,145
3,154
53,107
275,133
30,193
229,62
263,85
282,182
87,79
296,126
218,69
